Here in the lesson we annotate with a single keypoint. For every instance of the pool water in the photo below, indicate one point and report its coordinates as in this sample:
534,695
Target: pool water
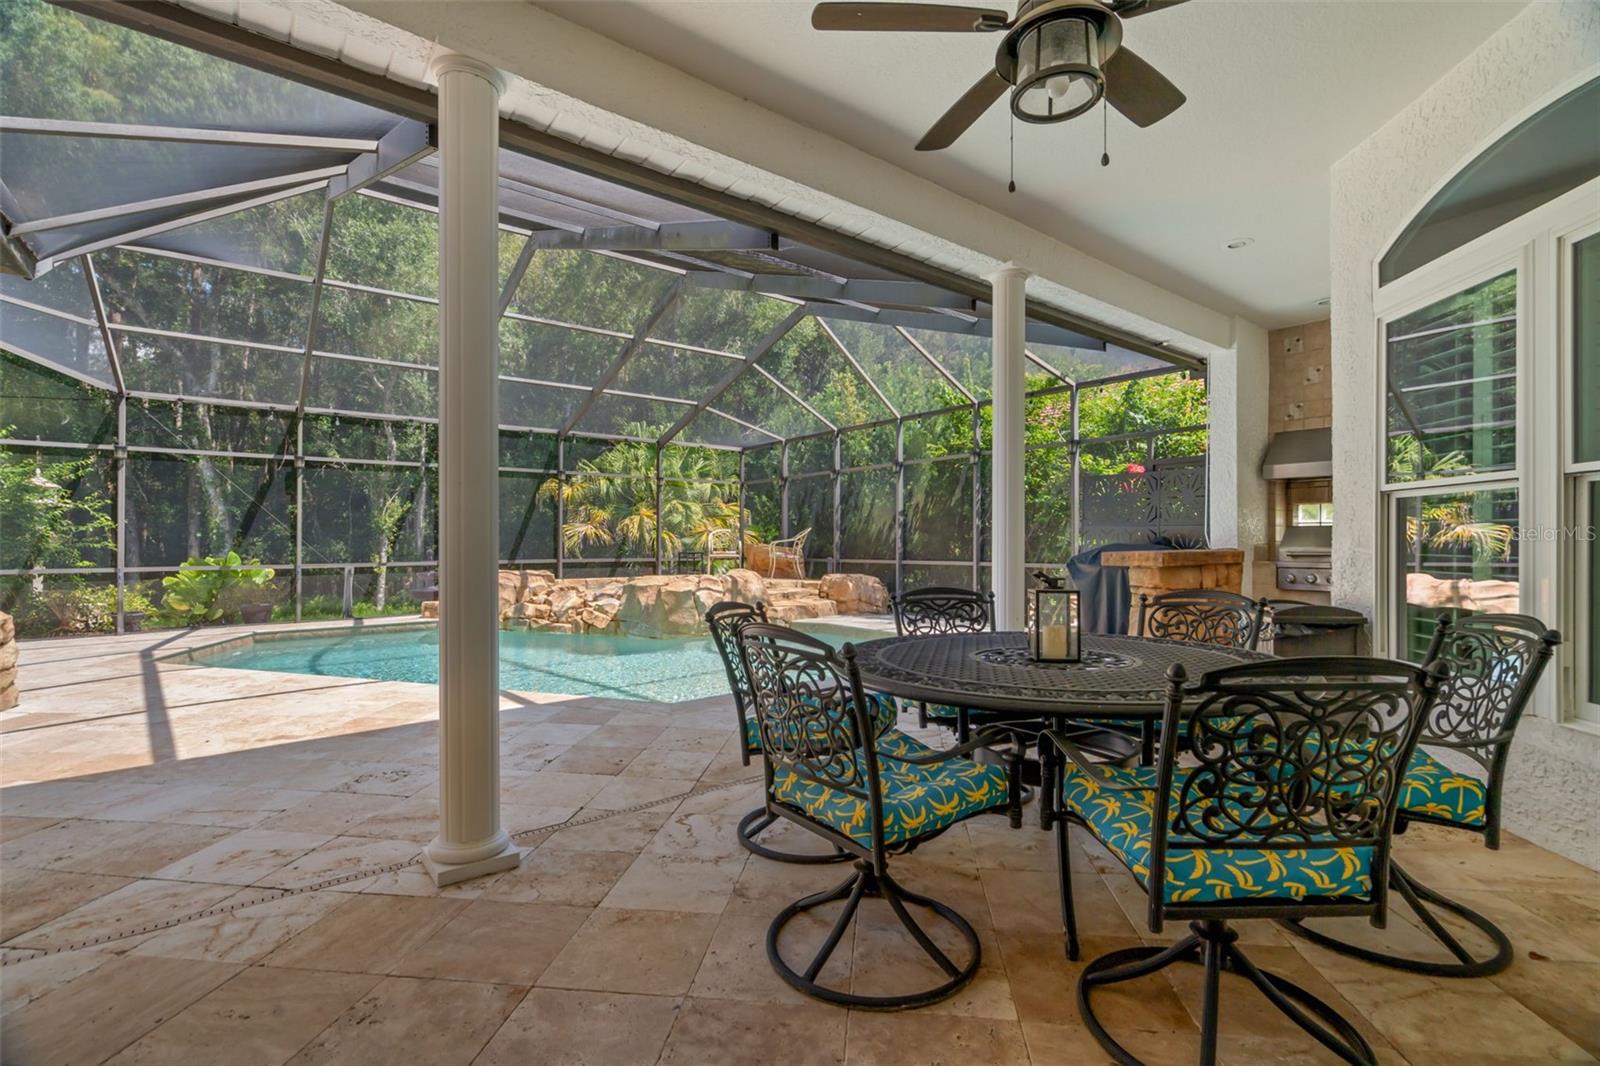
591,664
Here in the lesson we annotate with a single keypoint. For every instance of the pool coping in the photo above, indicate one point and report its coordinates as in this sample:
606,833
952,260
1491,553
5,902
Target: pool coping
200,653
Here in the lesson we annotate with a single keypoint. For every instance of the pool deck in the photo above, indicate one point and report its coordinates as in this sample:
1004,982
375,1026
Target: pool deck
203,865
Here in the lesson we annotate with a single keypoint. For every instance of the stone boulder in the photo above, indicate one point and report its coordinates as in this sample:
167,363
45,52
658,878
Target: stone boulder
668,606
8,662
745,586
855,593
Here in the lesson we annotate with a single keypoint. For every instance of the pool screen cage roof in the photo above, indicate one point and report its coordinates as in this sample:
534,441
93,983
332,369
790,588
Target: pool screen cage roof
220,234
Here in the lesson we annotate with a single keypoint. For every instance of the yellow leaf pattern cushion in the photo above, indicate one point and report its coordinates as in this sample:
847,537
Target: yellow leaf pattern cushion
1433,789
917,800
1122,822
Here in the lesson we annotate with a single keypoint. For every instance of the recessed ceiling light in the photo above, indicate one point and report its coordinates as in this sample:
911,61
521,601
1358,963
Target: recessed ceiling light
1325,301
1238,242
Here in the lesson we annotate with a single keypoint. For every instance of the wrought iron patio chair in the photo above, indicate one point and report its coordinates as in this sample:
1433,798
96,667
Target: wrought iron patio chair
1196,616
939,610
873,799
725,620
1494,663
1283,806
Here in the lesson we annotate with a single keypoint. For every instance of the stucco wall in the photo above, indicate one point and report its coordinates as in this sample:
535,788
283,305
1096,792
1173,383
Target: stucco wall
1376,188
1236,497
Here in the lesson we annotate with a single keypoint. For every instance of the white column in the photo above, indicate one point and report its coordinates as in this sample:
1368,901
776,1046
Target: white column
471,841
1010,413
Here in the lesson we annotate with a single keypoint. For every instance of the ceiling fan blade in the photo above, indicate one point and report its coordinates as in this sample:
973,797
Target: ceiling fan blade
928,18
1146,7
963,113
1138,90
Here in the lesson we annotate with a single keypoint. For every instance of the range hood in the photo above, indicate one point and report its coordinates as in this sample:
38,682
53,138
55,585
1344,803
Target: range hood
1298,453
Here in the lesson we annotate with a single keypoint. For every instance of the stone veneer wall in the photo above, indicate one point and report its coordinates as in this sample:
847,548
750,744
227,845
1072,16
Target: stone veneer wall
8,662
1300,396
1150,573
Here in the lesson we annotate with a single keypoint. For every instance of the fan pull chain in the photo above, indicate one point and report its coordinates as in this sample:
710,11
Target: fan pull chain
1105,135
1011,186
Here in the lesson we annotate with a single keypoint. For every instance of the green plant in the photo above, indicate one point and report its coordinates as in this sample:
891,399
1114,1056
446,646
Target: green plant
208,588
614,504
1453,525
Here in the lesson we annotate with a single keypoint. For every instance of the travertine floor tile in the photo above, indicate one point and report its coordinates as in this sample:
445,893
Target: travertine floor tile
554,1027
648,952
243,858
244,935
369,934
936,1040
33,897
133,906
123,849
575,878
413,1020
505,943
719,1032
259,1018
106,1009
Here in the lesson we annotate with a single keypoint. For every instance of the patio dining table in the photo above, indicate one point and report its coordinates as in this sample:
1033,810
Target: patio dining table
1117,678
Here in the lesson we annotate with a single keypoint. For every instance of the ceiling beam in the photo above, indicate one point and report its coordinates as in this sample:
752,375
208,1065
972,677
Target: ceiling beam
197,196
861,290
1037,332
664,305
92,279
128,131
408,142
314,314
669,236
231,207
765,345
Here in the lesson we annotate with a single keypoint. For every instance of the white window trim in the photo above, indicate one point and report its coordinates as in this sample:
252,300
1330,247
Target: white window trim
1538,245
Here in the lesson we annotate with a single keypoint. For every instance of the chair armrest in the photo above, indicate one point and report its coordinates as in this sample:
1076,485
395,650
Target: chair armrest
1080,759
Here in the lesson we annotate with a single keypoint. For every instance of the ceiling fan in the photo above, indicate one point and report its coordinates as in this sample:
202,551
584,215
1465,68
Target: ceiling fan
1058,58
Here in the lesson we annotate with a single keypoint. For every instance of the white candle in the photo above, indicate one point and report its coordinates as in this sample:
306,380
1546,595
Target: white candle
1053,642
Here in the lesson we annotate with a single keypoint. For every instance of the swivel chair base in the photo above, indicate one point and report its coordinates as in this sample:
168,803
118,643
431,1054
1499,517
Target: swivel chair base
759,821
1213,944
865,883
1417,896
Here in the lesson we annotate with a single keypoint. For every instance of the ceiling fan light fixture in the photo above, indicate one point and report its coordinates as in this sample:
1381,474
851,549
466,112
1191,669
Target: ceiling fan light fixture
1058,73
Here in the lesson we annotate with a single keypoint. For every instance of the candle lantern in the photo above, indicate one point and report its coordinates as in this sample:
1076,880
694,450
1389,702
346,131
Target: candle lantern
1057,626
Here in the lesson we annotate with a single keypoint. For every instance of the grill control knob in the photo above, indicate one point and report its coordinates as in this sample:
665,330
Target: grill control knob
1289,579
1311,579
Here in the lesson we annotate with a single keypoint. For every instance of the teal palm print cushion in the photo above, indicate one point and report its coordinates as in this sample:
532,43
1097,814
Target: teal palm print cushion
883,709
1434,790
1122,818
917,800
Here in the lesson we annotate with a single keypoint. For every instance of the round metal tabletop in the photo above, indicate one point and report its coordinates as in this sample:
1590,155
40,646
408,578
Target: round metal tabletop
1119,677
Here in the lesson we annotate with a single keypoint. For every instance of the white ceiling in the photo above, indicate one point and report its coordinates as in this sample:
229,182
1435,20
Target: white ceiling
1278,90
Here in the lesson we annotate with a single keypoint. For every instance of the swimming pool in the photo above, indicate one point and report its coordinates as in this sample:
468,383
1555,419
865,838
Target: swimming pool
591,664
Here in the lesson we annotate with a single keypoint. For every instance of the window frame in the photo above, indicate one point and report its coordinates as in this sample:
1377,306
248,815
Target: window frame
1538,245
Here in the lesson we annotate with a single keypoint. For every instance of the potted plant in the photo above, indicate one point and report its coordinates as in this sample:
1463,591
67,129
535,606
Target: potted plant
136,607
210,588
